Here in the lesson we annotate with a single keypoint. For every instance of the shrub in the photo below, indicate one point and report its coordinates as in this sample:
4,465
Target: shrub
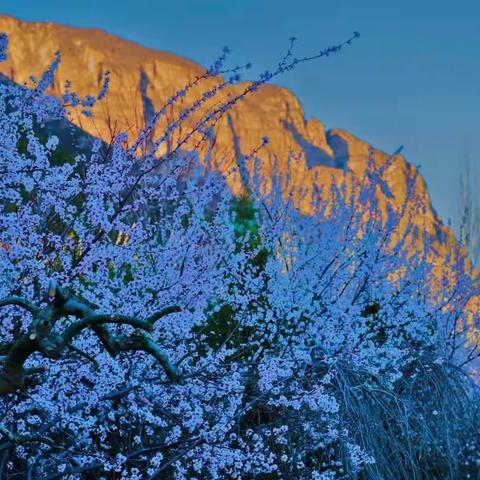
187,334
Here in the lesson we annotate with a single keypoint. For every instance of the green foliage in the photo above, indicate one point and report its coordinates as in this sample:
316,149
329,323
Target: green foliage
223,326
245,221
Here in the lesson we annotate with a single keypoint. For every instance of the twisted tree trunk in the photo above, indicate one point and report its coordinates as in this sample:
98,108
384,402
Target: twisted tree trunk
41,337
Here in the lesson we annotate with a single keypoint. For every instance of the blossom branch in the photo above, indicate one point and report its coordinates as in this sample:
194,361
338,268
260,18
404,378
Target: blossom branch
41,337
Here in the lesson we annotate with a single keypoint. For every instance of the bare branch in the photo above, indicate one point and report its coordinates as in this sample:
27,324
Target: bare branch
19,302
163,312
138,341
92,320
42,338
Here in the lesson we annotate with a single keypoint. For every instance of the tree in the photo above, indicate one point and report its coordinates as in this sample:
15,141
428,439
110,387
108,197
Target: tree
153,326
470,212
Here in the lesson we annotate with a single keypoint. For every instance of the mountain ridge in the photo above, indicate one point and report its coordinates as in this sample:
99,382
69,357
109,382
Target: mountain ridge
141,80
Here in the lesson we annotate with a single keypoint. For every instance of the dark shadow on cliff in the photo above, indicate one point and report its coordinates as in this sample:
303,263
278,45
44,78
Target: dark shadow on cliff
315,156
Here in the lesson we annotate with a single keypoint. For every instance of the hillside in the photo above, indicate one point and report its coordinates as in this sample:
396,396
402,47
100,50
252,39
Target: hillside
141,80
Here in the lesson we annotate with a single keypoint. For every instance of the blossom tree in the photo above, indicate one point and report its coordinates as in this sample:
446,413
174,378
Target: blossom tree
470,211
154,326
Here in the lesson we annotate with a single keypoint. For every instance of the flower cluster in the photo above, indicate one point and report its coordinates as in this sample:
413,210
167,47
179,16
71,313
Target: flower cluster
295,336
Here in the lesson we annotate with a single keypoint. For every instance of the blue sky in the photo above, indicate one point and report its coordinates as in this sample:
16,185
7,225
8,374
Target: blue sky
412,79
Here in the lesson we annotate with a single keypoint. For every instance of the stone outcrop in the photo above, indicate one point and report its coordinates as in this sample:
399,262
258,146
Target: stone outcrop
141,81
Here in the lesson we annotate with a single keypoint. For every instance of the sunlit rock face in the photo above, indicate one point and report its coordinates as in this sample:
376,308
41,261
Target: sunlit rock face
141,81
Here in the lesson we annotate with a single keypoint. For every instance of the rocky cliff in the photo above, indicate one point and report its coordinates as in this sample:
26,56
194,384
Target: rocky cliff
142,79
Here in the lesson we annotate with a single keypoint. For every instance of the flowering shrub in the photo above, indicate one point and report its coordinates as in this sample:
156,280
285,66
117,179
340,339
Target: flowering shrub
153,326
470,212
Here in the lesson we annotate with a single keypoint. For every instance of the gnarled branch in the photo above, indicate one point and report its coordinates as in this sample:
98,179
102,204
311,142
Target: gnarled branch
41,337
19,302
162,313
